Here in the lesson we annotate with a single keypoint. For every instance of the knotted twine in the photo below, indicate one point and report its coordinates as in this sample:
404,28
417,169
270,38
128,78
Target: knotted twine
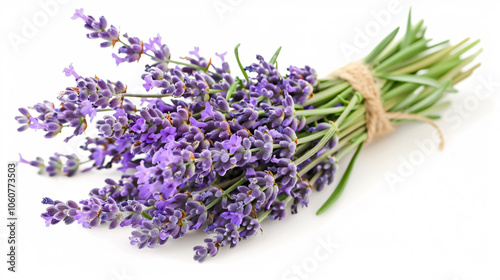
378,121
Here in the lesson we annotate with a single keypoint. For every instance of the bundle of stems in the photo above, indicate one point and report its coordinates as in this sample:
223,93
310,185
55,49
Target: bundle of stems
413,74
223,152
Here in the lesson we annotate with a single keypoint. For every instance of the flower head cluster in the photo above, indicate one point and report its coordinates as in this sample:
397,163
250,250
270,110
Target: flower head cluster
218,154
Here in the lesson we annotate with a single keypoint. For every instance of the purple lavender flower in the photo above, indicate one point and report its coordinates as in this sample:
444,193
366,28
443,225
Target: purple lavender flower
328,168
245,115
38,163
208,112
132,52
204,163
217,129
47,200
236,212
89,214
300,193
264,143
198,159
278,211
211,249
88,109
252,193
266,91
24,120
264,70
232,144
276,116
55,164
134,213
177,201
196,59
174,223
111,213
287,172
222,160
59,211
196,214
300,83
70,71
225,66
250,227
287,140
150,234
98,29
160,51
230,235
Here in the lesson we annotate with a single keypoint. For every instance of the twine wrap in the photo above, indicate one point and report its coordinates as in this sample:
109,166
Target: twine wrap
378,121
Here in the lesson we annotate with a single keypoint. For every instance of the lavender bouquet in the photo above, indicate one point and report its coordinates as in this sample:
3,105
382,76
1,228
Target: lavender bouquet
207,150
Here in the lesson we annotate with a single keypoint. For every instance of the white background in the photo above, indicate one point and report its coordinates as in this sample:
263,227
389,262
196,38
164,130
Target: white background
440,221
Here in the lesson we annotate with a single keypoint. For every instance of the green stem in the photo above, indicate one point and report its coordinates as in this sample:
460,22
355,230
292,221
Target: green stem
225,184
174,61
355,98
328,153
327,93
328,135
153,95
341,186
360,140
319,112
239,62
231,89
230,189
266,214
312,137
146,214
338,98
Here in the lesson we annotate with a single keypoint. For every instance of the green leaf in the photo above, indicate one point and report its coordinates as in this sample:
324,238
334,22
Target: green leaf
399,89
275,56
422,33
410,51
341,186
146,215
326,94
408,35
341,96
381,46
415,32
319,111
281,196
421,80
231,89
328,135
433,117
407,101
239,62
416,64
435,107
416,79
462,51
430,99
